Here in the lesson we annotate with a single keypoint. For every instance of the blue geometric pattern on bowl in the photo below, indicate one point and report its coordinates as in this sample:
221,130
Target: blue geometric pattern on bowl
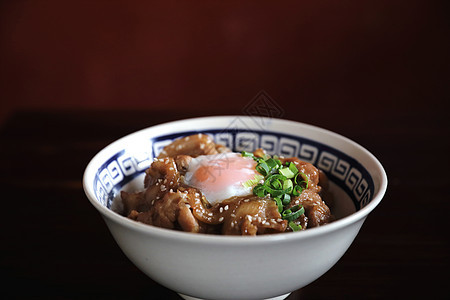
340,168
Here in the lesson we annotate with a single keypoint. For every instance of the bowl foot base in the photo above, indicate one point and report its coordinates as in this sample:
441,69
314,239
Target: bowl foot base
185,297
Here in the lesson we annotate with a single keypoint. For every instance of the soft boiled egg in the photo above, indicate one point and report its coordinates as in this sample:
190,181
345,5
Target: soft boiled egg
221,176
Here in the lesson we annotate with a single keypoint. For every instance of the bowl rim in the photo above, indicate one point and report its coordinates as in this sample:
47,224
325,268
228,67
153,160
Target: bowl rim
225,239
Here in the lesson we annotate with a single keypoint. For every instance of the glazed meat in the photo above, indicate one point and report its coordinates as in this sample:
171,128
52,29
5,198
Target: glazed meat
185,210
169,201
317,212
193,145
172,211
251,216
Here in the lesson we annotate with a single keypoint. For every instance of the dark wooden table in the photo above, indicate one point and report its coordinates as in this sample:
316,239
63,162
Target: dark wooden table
55,245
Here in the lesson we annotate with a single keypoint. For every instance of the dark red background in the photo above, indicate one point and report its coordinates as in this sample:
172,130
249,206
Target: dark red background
77,75
377,55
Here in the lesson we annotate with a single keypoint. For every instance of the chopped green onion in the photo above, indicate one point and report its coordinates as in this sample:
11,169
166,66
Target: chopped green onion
274,184
288,185
252,182
247,154
304,177
295,178
276,177
273,163
300,185
260,191
279,204
297,190
277,184
293,213
286,198
293,168
294,226
263,168
286,172
281,183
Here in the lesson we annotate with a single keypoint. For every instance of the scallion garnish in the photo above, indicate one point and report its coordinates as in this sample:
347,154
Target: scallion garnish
281,183
273,163
286,171
263,168
294,226
260,191
286,199
247,154
279,204
252,182
293,213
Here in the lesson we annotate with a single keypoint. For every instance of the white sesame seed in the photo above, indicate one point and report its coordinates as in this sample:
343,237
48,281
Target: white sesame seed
226,207
233,215
221,209
202,146
246,200
220,219
279,220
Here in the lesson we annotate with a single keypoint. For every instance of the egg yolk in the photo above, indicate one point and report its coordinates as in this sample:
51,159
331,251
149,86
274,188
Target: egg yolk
224,171
221,176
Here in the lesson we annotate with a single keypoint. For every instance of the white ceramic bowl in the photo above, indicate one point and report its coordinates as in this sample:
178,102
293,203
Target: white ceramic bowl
235,267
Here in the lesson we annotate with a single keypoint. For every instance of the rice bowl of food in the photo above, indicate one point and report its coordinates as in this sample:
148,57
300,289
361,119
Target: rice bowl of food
218,207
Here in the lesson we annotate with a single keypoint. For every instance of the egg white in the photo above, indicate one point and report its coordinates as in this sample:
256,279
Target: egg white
235,188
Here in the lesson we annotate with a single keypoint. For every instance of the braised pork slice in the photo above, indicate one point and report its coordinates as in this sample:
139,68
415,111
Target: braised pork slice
134,201
161,177
316,210
193,145
182,162
251,215
172,212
